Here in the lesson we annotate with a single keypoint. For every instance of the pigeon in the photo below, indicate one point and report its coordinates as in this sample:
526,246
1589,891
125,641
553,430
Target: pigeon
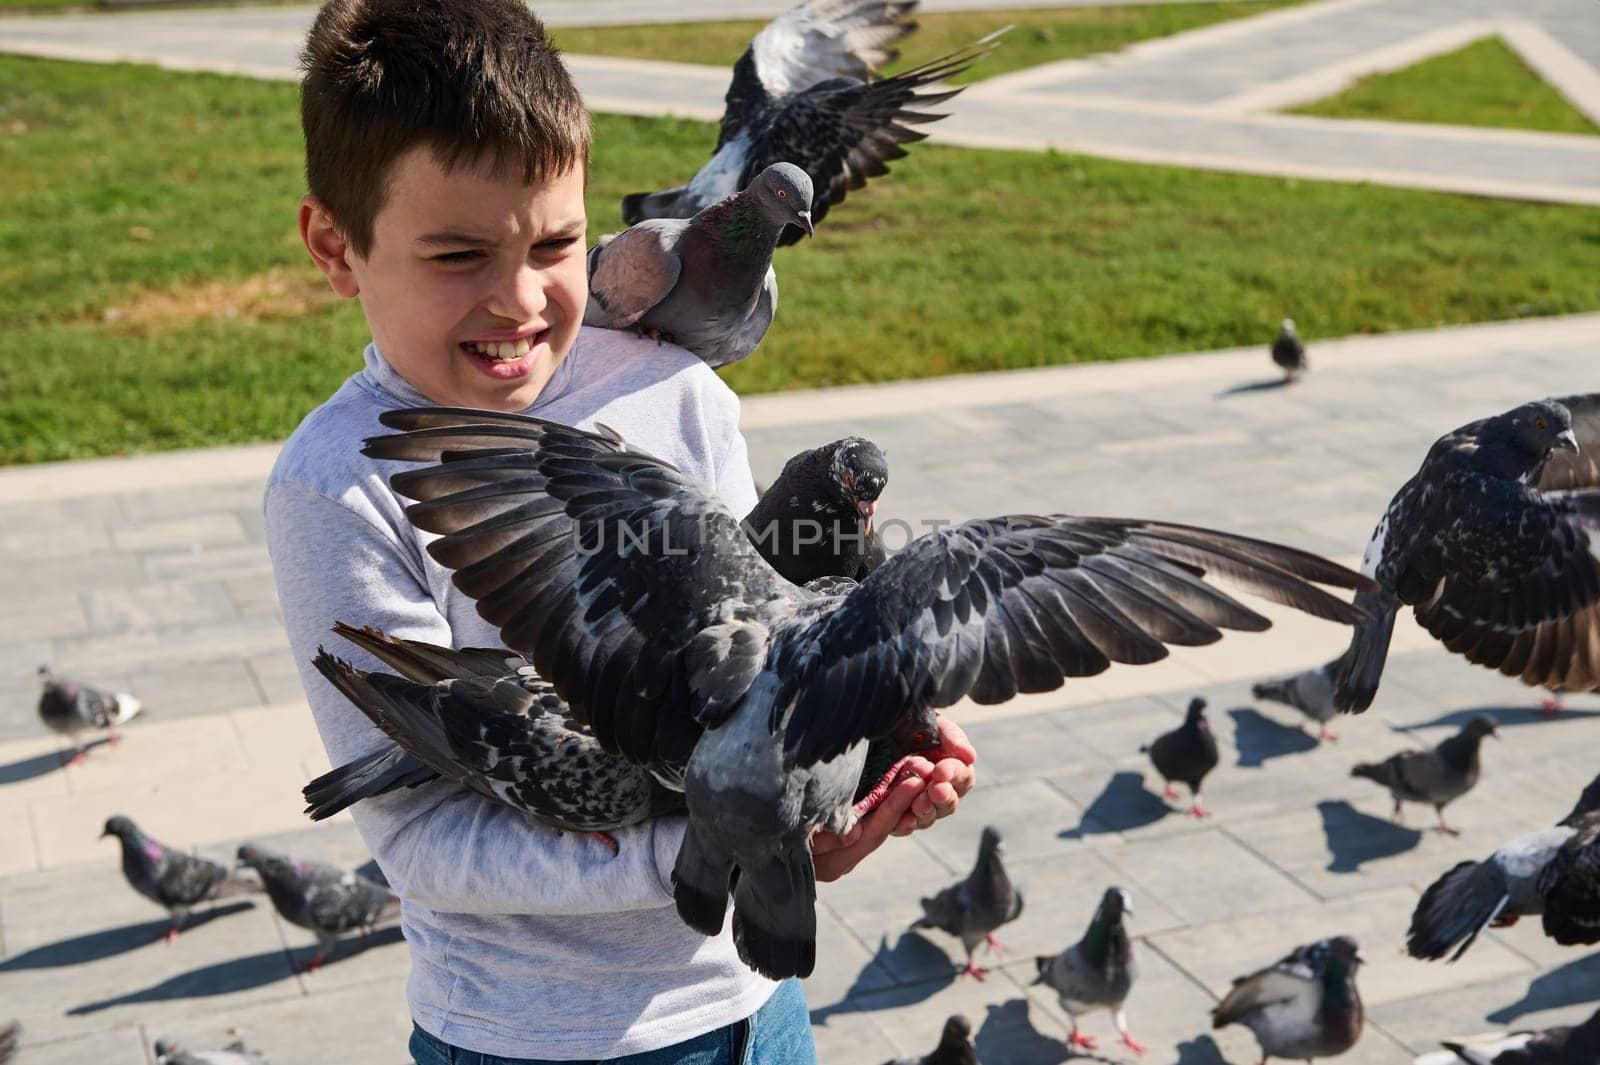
638,595
1495,545
1566,1045
1306,1006
1289,353
69,708
1437,776
1310,692
1186,754
10,1040
706,283
171,1052
1096,972
323,898
955,1046
974,908
805,91
172,879
815,520
1554,872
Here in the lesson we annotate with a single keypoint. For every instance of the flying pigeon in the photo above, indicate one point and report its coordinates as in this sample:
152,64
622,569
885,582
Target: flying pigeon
1289,353
974,908
816,519
1306,1006
1495,545
1566,1045
1554,872
955,1046
172,879
1310,692
805,92
171,1052
1186,754
707,283
323,898
640,598
70,708
1097,972
10,1040
1438,776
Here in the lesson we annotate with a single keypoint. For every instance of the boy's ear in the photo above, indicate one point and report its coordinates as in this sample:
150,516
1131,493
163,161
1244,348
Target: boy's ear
328,247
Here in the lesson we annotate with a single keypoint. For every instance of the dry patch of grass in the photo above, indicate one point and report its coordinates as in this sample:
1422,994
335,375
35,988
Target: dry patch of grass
274,295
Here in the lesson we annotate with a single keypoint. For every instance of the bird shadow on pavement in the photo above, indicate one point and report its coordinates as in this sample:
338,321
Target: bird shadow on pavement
1201,1050
1123,804
1355,838
1008,1037
40,764
919,966
1259,739
1253,386
109,942
1506,716
1569,985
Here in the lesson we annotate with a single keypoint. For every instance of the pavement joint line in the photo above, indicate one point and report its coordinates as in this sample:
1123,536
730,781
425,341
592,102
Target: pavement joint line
1560,67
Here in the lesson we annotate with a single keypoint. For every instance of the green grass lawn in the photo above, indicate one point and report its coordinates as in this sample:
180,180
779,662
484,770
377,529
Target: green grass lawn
1483,84
156,294
1040,36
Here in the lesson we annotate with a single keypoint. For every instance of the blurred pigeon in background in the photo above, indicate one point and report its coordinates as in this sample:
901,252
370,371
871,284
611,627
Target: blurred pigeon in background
10,1040
1310,692
1564,1045
1438,776
1288,353
323,898
974,908
816,519
170,878
72,708
171,1052
1305,1006
1186,754
1097,972
955,1046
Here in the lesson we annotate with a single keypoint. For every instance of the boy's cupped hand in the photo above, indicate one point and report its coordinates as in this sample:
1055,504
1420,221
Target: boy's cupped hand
932,789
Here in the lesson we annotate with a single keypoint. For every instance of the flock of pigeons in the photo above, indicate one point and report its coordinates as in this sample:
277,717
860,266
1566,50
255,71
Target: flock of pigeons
771,674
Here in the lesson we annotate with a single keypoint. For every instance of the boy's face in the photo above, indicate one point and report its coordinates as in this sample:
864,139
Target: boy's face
474,285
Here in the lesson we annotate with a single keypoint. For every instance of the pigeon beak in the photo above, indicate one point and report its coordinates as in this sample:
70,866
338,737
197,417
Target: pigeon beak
803,220
1567,441
866,509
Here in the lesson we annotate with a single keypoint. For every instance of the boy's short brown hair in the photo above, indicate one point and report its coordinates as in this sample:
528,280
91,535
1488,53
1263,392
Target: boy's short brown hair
473,79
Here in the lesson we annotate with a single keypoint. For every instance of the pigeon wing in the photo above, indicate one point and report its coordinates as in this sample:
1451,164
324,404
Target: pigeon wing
1283,982
631,272
1571,887
185,879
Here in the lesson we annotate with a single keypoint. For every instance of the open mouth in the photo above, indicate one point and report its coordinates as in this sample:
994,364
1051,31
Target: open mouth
505,358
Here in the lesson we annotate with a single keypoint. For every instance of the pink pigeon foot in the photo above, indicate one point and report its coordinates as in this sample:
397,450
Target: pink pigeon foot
1549,706
1446,829
974,970
311,966
1197,811
1171,792
609,840
170,935
1078,1039
994,943
1133,1044
1325,734
111,735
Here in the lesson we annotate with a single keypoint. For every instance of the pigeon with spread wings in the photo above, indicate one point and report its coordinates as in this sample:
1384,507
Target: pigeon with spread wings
640,598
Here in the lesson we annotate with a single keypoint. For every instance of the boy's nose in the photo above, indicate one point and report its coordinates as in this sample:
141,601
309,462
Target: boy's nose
519,295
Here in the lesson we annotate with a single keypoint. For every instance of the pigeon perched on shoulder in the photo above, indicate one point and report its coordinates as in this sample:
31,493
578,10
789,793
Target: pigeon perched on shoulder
1310,692
1554,872
707,283
320,897
805,92
171,1052
639,596
955,1046
1097,972
1288,353
1437,776
172,879
816,519
1495,545
72,708
10,1040
974,908
1565,1045
1305,1006
1186,754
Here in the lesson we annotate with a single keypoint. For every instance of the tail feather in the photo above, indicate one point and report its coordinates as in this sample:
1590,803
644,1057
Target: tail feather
1362,667
701,878
426,663
380,772
1455,908
1278,691
404,710
775,916
637,206
1379,772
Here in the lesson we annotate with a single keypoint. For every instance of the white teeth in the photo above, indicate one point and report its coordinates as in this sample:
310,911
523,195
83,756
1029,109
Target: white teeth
502,350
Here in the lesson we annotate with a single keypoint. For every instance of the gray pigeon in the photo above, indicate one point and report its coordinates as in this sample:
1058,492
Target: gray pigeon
1288,353
1495,545
72,708
639,596
1310,692
171,1052
1097,972
955,1046
1564,1045
323,898
816,519
1186,755
1306,1006
973,909
1437,776
707,283
1554,872
172,879
10,1040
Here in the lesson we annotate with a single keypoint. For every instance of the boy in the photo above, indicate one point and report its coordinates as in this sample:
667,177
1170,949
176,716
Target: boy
446,152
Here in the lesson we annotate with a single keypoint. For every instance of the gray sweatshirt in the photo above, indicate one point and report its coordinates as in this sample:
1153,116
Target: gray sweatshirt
524,942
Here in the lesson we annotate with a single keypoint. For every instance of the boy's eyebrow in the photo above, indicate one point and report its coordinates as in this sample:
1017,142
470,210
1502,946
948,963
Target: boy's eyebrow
455,237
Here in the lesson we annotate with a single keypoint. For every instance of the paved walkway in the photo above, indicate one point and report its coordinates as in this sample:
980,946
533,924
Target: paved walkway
1199,99
150,573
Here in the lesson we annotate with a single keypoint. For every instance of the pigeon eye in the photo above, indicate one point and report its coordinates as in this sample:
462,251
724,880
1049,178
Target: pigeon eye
783,194
1538,423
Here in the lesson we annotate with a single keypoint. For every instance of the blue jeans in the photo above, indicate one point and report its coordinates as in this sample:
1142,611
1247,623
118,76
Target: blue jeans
779,1033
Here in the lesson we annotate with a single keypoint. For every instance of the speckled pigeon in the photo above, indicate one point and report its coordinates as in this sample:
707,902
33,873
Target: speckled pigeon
1564,1045
1554,872
1437,776
320,897
1495,545
640,598
1288,353
171,1052
1186,754
955,1046
72,708
170,878
706,283
1097,972
1310,692
805,92
973,908
1306,1006
816,519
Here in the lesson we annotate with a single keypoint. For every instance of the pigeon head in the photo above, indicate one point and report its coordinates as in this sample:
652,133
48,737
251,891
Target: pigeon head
1479,727
859,471
1516,443
990,843
166,1046
783,191
917,731
121,827
958,1027
1195,716
1288,326
1115,905
268,863
1338,957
